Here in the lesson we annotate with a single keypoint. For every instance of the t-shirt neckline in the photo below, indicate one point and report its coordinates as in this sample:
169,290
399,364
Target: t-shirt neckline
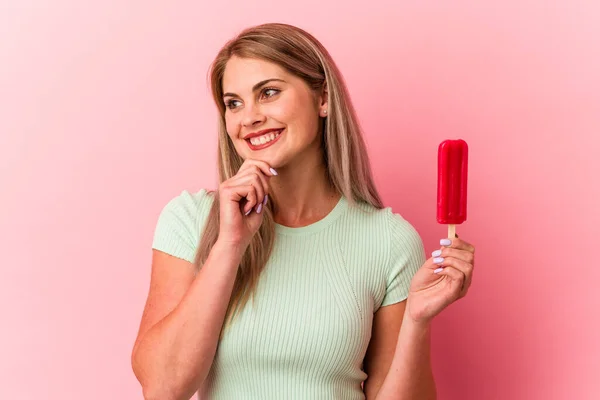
321,224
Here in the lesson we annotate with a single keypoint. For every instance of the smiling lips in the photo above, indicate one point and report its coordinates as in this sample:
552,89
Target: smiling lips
265,140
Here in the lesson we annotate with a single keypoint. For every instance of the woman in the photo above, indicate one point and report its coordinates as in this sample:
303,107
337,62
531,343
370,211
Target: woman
292,281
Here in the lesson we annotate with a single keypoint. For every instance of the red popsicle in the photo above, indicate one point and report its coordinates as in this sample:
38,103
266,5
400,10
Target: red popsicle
452,184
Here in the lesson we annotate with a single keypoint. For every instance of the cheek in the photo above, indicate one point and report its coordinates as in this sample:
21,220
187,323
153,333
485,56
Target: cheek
310,124
281,113
297,115
231,126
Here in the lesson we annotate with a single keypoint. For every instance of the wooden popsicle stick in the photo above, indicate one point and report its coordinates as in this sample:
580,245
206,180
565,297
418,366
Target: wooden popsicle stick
451,231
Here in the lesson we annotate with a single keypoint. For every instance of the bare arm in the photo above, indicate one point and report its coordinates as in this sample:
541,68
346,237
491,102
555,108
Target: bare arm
398,358
410,375
182,322
184,314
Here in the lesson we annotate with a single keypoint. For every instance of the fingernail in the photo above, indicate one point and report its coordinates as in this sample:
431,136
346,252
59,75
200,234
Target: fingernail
436,253
445,242
259,208
266,198
248,212
273,171
437,271
438,260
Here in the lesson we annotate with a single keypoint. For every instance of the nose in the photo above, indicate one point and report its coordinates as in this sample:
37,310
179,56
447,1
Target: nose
252,116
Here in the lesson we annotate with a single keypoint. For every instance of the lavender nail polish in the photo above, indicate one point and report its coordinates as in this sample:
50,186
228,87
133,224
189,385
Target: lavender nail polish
259,208
266,198
273,171
445,242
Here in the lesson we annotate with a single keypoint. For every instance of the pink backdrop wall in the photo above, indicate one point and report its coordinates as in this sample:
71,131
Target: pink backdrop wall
105,115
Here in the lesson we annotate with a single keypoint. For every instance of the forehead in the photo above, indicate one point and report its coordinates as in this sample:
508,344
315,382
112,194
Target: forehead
242,73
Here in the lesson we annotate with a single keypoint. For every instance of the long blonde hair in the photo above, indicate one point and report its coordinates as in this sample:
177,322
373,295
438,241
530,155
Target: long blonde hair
349,172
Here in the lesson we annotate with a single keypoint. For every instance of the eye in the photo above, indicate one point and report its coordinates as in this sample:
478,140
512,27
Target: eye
268,92
271,90
230,104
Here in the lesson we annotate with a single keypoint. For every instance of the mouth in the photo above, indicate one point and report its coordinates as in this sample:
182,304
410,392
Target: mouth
264,141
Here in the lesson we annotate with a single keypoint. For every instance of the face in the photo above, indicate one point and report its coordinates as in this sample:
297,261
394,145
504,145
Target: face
270,114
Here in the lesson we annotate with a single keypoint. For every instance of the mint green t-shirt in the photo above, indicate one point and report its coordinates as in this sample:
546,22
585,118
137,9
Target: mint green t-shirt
306,335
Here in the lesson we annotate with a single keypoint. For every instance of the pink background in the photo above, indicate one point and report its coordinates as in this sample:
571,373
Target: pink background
105,115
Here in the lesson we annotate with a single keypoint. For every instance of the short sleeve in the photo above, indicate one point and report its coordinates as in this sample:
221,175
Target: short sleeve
180,223
406,256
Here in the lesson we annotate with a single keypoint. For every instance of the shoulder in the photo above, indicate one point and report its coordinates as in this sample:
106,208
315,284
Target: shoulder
192,204
386,234
404,255
181,222
394,247
383,224
405,244
401,231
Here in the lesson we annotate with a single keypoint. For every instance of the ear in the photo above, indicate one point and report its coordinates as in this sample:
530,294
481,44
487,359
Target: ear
322,101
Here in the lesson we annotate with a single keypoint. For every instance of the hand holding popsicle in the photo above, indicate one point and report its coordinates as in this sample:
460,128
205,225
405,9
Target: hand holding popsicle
443,279
446,276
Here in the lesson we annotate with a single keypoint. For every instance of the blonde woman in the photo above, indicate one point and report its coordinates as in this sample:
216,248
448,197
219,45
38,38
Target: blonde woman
291,281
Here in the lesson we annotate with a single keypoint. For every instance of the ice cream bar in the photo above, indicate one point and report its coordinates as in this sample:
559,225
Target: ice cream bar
452,184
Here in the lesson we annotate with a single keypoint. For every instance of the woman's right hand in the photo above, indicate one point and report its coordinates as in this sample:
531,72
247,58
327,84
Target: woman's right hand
242,199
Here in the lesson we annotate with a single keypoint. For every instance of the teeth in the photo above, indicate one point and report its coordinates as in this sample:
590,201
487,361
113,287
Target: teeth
257,141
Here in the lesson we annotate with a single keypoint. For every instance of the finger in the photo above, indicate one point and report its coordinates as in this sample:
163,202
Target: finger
260,190
255,172
457,279
463,267
460,265
247,192
463,255
431,264
465,288
263,166
258,180
251,179
460,244
466,285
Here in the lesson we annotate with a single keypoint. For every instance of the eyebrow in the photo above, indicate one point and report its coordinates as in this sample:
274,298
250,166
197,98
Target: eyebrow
255,87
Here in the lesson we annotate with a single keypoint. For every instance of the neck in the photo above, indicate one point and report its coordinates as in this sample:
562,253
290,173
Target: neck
303,194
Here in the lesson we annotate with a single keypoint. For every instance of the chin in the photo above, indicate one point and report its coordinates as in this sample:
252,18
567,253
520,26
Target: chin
273,161
274,157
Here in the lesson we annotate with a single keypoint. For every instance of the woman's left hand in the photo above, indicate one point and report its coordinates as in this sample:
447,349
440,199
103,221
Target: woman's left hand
431,291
